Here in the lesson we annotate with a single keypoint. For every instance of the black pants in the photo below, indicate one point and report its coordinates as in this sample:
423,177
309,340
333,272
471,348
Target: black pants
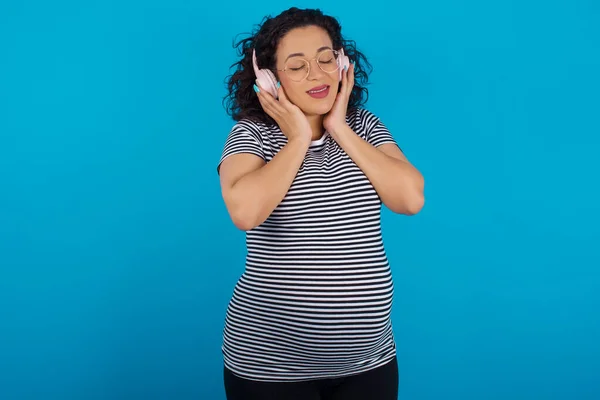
377,384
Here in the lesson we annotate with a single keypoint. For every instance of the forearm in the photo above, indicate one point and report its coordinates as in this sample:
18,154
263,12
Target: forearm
259,192
399,184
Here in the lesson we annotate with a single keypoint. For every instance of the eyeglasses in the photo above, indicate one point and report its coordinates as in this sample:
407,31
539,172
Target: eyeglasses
297,69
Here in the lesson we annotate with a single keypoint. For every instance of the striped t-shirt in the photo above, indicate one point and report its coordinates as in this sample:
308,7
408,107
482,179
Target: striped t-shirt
315,297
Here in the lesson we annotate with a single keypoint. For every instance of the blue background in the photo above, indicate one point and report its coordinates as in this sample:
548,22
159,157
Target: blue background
117,256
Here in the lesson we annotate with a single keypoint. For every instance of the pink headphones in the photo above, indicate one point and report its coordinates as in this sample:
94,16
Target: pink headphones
267,80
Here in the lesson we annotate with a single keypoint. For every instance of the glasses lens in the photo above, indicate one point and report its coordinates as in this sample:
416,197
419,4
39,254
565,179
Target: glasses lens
296,69
328,61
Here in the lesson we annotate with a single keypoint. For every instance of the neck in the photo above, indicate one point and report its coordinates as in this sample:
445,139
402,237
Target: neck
316,124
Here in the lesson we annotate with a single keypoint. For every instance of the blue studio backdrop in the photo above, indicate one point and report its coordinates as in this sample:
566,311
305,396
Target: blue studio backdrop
117,256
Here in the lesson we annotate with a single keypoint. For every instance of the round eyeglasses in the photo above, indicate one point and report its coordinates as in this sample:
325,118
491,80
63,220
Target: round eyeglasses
297,69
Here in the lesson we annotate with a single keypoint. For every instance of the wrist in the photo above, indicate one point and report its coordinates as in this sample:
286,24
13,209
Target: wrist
339,130
302,142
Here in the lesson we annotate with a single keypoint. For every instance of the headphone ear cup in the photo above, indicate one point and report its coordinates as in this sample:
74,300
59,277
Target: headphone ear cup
265,77
343,62
271,82
267,81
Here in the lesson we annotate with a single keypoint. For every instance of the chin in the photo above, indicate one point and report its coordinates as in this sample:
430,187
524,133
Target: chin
317,109
318,106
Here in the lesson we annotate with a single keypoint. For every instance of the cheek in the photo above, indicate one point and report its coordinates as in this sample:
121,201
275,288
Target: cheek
335,86
293,91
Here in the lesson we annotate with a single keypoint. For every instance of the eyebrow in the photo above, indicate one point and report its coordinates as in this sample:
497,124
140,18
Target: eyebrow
302,54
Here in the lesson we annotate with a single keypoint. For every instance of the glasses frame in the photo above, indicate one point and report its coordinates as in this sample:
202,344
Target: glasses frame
308,62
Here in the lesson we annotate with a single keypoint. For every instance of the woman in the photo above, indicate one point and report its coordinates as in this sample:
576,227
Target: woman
304,173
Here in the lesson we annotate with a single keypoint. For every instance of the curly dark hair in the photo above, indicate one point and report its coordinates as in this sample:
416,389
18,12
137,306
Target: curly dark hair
241,101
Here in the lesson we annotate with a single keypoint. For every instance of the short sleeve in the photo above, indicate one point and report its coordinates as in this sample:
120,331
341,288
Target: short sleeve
376,131
244,137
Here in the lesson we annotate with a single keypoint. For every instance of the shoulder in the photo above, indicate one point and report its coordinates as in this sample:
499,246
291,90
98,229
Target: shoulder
362,119
251,127
245,137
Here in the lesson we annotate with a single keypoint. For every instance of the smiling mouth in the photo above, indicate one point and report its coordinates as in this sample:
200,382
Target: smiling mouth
319,91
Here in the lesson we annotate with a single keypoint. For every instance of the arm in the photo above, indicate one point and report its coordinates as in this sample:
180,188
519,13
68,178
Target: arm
399,185
252,189
397,182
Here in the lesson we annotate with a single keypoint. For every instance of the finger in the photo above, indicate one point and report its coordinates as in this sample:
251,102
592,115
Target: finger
283,99
344,83
270,104
263,98
348,80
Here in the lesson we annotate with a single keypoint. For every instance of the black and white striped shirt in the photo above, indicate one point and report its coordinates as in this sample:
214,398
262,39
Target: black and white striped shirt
315,298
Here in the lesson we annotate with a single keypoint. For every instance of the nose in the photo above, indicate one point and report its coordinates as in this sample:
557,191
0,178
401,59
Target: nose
314,71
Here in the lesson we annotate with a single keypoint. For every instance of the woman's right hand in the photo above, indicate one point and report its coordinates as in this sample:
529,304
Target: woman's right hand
290,118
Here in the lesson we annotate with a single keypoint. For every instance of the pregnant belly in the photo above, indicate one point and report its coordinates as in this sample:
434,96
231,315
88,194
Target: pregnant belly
317,308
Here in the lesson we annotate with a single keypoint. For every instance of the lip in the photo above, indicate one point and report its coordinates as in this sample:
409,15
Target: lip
317,88
319,95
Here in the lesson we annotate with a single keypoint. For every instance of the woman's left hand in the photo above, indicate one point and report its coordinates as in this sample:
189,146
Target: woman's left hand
336,118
